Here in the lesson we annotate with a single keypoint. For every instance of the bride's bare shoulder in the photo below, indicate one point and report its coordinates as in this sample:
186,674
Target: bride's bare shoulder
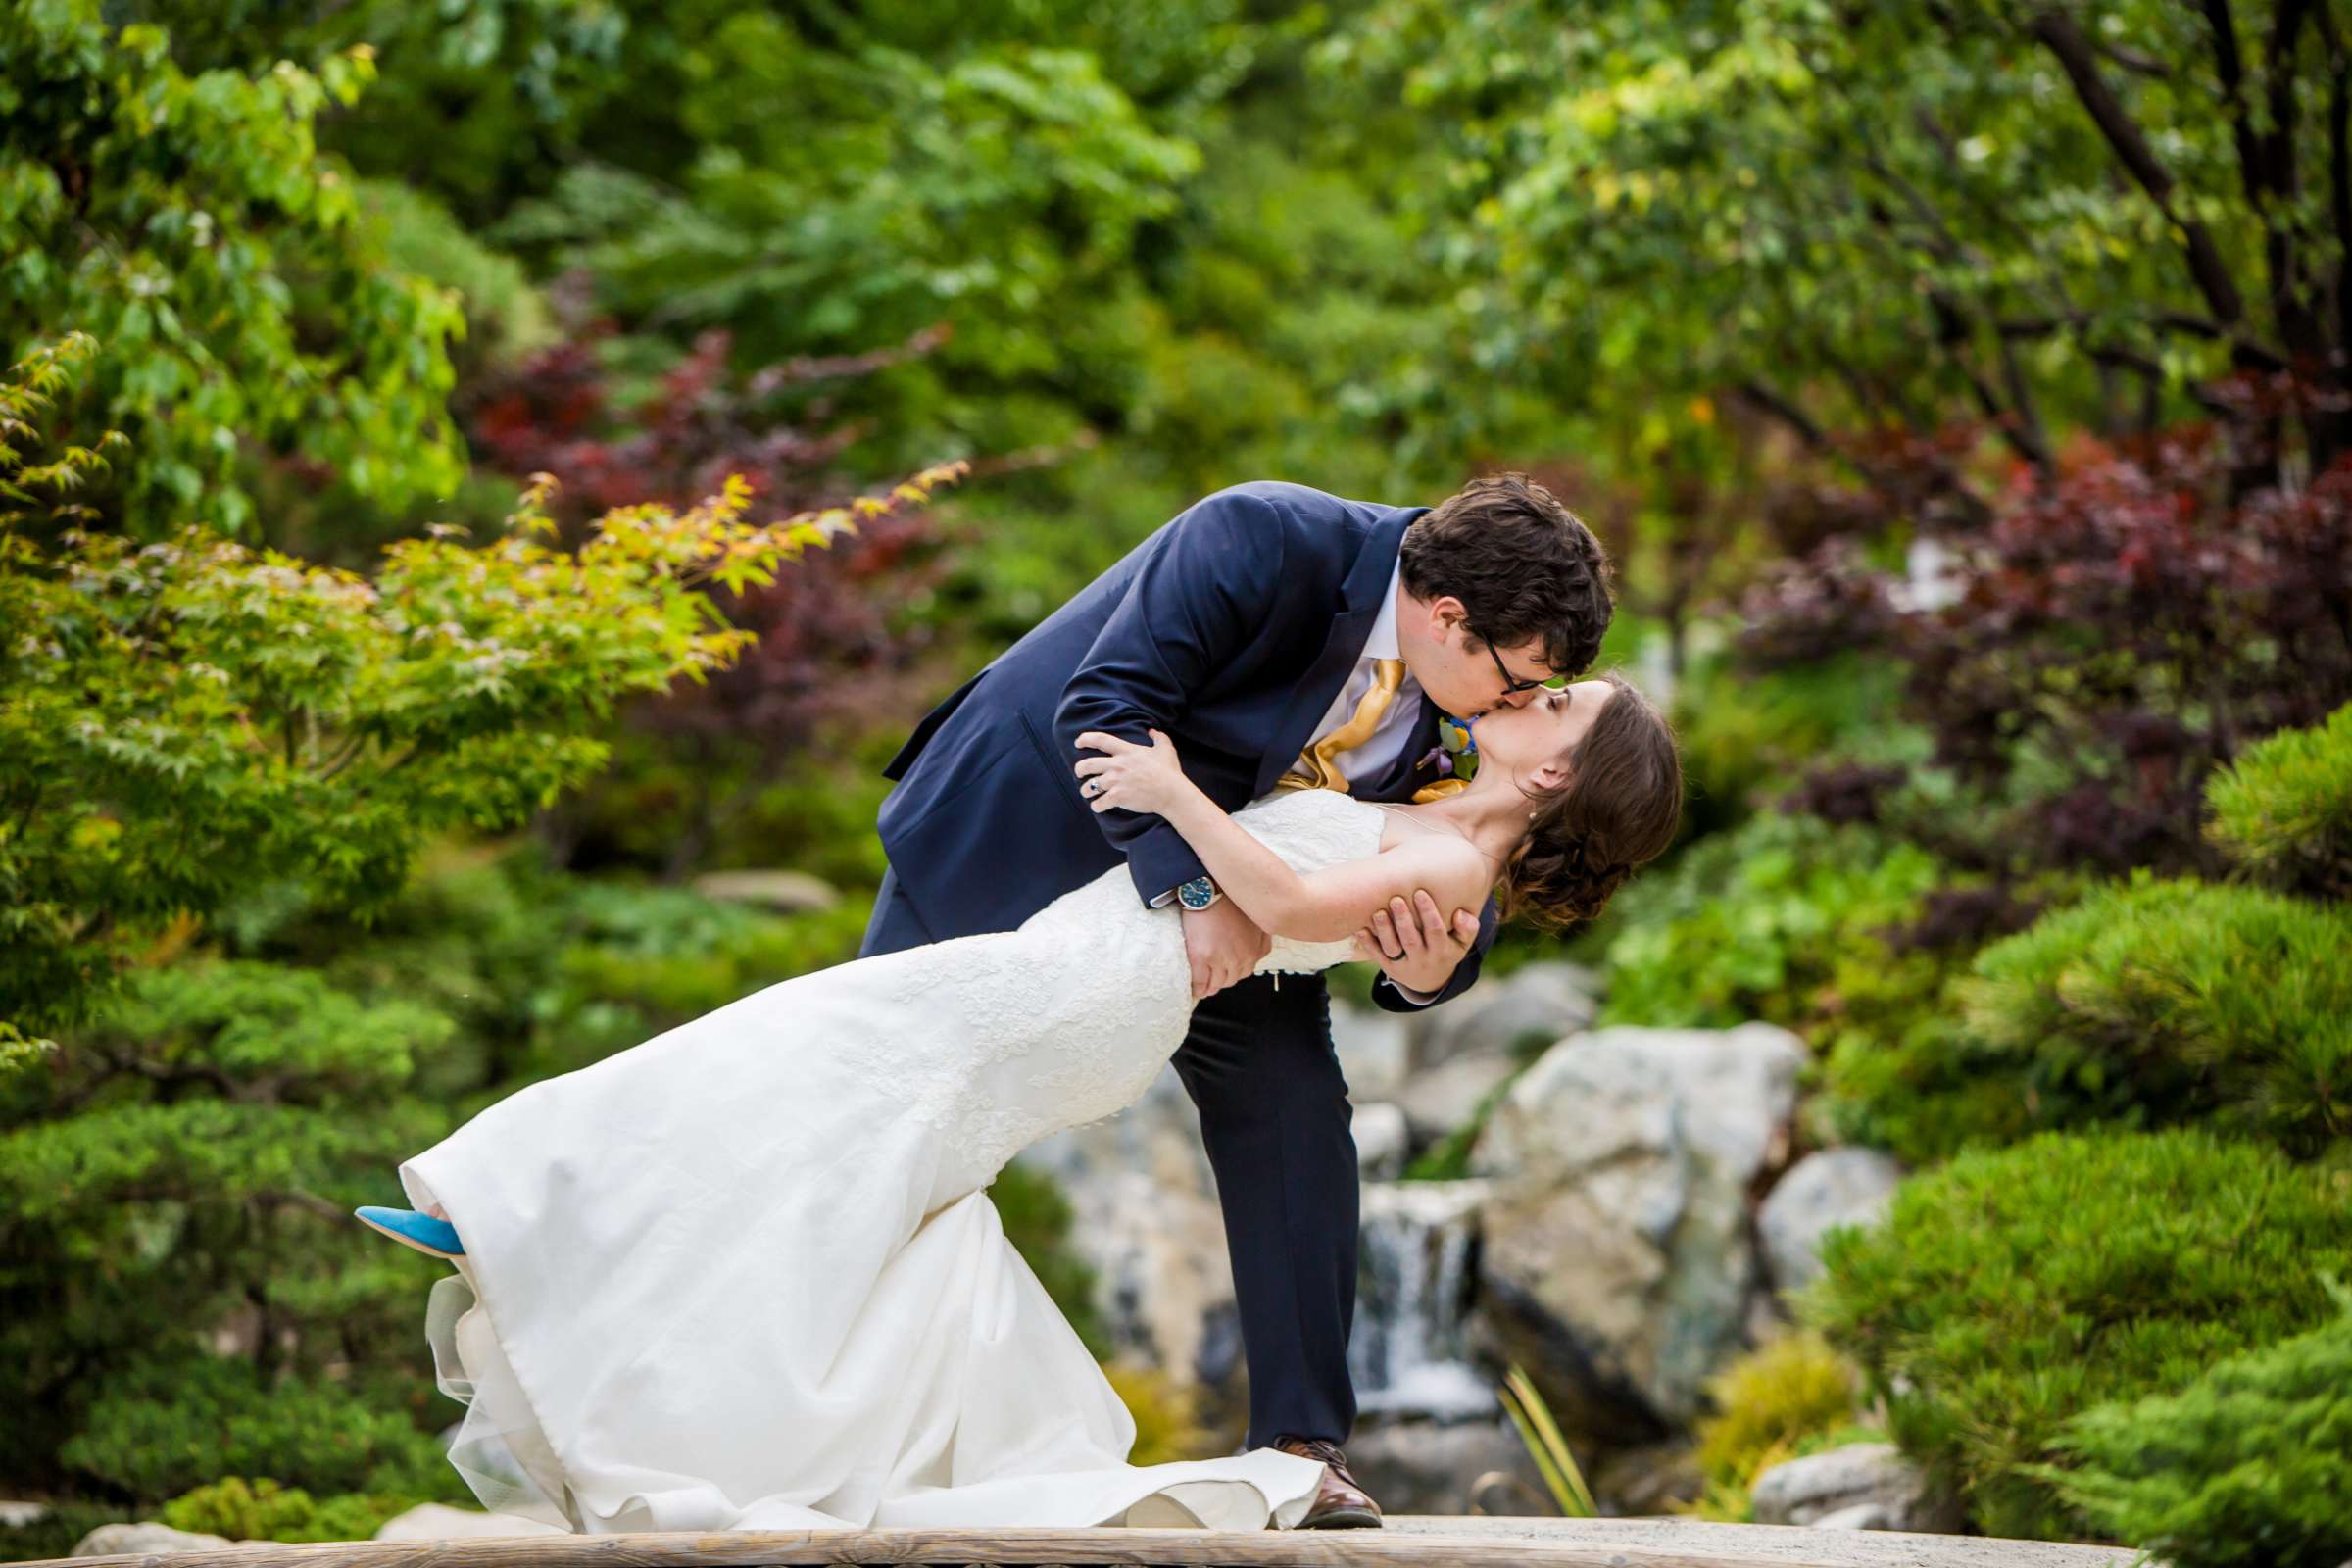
1436,859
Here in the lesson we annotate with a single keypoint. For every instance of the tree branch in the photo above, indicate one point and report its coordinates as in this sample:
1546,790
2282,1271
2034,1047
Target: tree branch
2339,176
2057,32
1763,397
2229,65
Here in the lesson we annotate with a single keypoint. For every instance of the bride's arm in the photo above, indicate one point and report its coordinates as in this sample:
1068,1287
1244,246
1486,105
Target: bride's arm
1326,906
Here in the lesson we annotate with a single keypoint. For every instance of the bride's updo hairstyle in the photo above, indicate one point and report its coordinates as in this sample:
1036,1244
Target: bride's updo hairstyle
1619,809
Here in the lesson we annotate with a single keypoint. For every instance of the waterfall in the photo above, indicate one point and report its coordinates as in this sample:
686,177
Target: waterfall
1414,1276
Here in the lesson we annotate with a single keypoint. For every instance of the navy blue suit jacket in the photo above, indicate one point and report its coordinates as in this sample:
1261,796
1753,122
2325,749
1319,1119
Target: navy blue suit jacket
1232,628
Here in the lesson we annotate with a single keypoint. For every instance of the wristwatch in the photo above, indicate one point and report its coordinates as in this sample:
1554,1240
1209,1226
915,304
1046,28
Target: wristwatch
1199,893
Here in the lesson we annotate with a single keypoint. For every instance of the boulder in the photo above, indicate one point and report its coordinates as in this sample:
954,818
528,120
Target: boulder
1146,1219
1373,1047
1861,1516
1649,1479
17,1515
1429,1467
1617,1266
1445,1097
148,1537
1529,1009
1832,1187
1381,1142
1159,1135
1862,1480
436,1521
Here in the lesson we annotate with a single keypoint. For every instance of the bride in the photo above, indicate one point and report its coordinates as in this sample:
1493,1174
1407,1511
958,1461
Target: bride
746,1276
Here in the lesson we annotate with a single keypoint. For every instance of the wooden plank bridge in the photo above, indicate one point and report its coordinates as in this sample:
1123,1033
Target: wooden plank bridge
1428,1542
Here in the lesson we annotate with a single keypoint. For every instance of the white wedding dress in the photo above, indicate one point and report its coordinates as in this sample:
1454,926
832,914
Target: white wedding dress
744,1275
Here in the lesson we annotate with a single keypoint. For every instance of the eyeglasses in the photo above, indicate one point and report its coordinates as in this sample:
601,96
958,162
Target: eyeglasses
1512,684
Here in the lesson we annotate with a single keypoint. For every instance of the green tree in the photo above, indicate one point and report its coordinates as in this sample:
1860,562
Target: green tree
191,224
182,719
1882,217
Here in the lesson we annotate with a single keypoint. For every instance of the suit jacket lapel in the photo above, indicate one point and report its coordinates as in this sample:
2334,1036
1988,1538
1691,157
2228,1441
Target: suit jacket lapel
1359,596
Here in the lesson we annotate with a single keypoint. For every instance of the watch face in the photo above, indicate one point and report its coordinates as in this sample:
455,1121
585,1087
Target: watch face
1195,893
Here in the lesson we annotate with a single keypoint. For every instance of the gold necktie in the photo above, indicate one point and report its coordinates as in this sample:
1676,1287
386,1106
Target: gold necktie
1314,770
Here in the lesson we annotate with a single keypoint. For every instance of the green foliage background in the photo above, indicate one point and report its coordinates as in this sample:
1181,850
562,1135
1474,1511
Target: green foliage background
341,793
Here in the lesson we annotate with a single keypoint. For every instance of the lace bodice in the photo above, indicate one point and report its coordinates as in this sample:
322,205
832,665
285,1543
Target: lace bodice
1068,1019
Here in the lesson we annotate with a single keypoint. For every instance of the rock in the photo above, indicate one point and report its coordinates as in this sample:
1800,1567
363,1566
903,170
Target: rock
1536,1003
17,1515
1843,1482
1617,1266
1861,1516
148,1537
1425,1467
1407,1353
1146,1219
1164,1278
785,892
435,1521
1381,1142
1647,1479
1373,1047
1437,1101
1833,1187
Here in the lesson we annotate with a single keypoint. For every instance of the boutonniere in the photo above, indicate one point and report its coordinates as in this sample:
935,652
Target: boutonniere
1456,756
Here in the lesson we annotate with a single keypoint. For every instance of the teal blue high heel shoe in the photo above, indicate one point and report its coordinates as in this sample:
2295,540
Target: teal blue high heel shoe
437,1237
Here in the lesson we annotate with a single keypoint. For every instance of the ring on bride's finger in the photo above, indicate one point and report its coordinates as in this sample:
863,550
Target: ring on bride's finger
1088,788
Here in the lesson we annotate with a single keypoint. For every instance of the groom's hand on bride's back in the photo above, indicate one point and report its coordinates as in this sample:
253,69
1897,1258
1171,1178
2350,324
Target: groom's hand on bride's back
1223,945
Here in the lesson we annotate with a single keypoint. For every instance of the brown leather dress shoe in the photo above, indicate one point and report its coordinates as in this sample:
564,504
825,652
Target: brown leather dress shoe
1340,1503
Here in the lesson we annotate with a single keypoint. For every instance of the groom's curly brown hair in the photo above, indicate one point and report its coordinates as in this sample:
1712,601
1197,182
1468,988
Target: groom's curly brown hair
1524,567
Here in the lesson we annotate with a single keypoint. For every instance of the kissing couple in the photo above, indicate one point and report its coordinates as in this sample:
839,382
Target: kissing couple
746,1275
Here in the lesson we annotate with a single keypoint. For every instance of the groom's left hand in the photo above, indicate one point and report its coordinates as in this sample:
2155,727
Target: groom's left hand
1416,945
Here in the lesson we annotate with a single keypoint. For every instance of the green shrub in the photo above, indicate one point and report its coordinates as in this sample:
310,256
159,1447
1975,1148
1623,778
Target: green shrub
2014,1288
2250,1466
166,1426
1745,735
2284,808
1767,1403
1757,923
264,1510
2156,1003
1914,1090
1770,1396
58,1530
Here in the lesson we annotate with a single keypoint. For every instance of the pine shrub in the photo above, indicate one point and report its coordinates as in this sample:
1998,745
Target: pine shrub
2016,1288
2250,1466
164,1428
2156,1003
2284,809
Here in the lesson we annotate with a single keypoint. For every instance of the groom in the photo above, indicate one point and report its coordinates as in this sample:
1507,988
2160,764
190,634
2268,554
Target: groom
1278,634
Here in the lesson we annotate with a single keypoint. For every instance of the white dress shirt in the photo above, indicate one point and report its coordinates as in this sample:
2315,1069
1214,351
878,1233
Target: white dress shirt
1395,732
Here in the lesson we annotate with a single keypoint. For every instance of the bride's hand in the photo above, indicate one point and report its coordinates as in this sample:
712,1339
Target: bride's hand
1130,776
